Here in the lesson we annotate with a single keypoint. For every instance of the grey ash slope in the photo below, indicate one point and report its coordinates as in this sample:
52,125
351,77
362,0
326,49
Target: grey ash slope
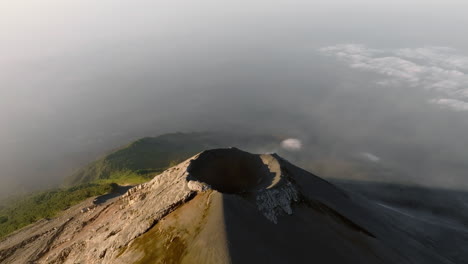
230,206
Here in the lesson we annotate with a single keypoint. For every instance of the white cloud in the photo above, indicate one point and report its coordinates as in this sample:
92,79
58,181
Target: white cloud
452,104
291,144
369,156
437,56
438,69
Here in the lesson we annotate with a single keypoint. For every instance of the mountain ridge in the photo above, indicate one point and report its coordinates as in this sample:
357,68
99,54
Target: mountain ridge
271,211
148,156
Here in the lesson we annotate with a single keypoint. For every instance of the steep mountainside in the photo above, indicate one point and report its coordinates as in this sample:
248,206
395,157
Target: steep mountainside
230,206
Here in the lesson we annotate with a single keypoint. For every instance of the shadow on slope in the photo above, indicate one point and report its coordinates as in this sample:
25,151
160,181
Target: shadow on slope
117,191
446,206
309,235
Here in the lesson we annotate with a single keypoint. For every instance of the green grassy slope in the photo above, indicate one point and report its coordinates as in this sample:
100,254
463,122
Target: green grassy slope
19,212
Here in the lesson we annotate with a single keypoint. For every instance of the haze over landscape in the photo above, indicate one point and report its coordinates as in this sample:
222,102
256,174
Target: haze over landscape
387,78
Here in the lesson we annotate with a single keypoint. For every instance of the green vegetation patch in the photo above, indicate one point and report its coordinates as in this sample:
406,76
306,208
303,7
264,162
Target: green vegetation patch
20,212
142,157
128,177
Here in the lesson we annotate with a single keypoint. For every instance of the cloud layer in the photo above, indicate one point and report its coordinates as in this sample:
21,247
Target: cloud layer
439,70
369,156
291,144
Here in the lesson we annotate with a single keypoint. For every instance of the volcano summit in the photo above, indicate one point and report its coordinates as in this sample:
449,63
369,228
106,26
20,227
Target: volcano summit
230,206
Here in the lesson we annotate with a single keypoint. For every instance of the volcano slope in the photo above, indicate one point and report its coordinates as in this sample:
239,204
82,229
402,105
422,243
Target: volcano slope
230,206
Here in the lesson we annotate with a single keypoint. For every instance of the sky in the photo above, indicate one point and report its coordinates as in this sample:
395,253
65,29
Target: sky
385,82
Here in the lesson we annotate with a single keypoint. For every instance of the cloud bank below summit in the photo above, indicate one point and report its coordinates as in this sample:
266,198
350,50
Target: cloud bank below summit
438,70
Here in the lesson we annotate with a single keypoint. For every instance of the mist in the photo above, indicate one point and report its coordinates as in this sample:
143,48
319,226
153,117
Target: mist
81,77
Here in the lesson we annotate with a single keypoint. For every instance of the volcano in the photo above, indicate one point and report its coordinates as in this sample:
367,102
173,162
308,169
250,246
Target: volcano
230,206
